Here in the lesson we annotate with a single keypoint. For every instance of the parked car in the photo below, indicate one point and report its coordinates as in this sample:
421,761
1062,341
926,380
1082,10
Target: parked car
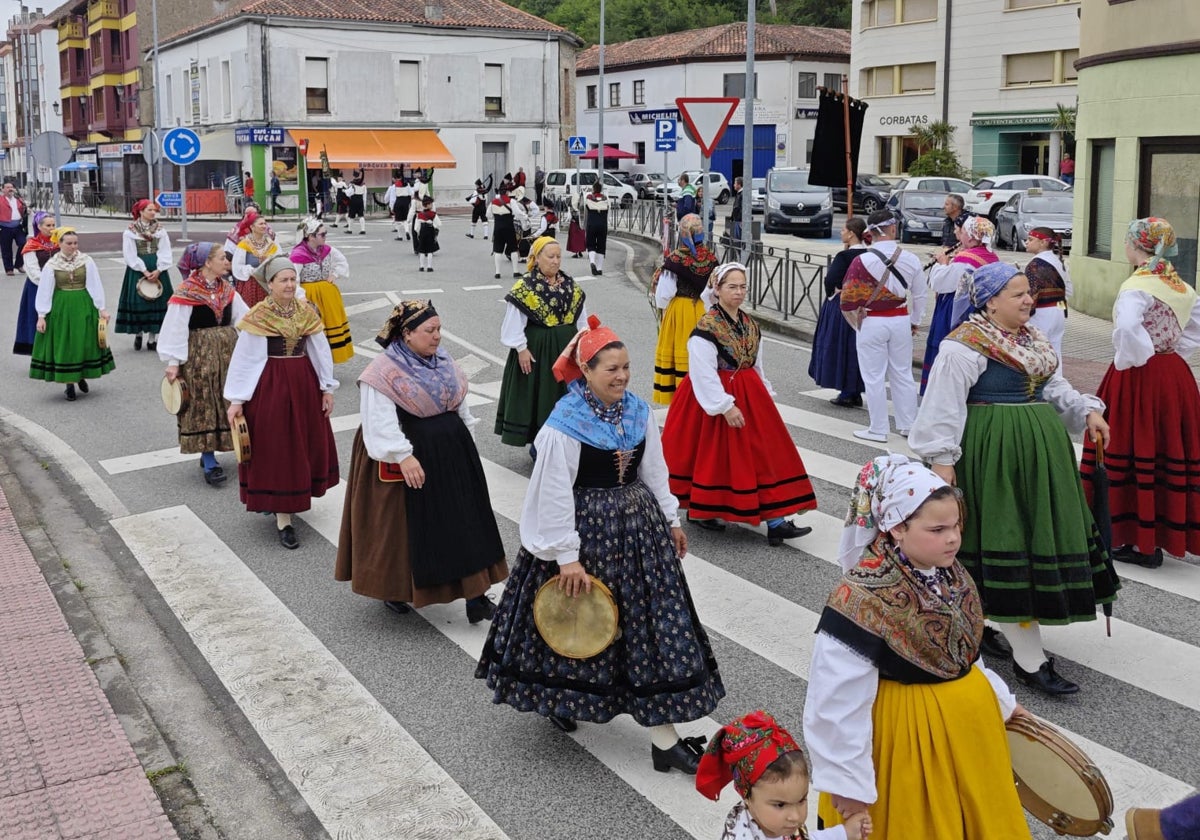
919,214
624,177
931,183
989,195
758,194
1034,208
560,182
796,206
645,182
717,184
870,193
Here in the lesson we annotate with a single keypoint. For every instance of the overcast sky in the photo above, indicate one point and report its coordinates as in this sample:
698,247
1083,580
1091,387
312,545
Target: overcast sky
11,8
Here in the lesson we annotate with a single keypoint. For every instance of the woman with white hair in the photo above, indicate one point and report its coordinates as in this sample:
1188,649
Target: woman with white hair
320,266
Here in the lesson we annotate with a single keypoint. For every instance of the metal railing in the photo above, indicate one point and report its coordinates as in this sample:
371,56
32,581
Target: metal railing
790,282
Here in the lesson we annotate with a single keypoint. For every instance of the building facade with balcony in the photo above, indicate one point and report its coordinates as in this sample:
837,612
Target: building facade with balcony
1137,138
997,70
470,88
643,77
30,92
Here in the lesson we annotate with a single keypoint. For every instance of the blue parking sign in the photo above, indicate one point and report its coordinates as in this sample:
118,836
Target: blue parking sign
665,129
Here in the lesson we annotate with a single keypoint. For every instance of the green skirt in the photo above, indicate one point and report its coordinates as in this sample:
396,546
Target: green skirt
1029,539
135,314
526,400
69,349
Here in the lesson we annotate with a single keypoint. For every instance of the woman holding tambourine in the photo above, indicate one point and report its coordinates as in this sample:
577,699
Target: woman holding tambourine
196,343
147,284
598,505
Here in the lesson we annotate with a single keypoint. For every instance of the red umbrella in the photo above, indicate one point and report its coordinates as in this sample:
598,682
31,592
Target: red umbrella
610,153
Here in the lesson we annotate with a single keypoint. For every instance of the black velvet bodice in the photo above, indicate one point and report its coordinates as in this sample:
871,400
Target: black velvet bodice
599,467
203,317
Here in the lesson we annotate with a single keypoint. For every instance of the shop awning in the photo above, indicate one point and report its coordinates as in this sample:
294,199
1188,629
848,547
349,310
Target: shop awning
219,145
370,148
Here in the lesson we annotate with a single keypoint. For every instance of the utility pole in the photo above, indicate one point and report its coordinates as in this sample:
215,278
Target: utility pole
748,139
27,105
156,151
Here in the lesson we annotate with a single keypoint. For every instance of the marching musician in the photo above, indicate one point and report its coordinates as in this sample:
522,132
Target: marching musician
504,231
479,206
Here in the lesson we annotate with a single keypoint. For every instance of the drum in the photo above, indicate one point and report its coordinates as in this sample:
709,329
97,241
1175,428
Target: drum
149,289
102,334
1057,783
175,395
579,627
241,439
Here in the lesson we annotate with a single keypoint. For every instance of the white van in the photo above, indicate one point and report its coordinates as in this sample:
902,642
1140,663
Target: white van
561,182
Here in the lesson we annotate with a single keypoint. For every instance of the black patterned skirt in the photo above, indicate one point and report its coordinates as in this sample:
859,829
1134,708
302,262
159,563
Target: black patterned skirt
660,669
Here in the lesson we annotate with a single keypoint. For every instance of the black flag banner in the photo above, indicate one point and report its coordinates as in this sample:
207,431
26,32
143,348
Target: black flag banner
828,167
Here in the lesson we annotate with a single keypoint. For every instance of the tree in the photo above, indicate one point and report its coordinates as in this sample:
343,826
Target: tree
934,136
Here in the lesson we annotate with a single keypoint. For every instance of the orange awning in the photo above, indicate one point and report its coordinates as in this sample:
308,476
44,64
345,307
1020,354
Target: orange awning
376,148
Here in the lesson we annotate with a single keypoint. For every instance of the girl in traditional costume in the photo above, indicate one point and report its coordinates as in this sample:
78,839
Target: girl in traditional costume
576,235
990,422
679,286
903,719
542,313
1049,283
37,250
70,304
196,343
770,773
427,224
255,243
730,454
834,361
147,252
1153,406
417,526
281,378
321,266
598,504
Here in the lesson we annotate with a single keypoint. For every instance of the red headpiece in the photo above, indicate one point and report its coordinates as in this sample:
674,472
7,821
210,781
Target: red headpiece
139,206
582,349
246,223
741,752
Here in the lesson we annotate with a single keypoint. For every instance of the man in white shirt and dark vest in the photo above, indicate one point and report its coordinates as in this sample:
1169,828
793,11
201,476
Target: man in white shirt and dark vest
12,226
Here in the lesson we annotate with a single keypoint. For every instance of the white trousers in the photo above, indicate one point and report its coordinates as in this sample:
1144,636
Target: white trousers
885,357
596,259
1052,320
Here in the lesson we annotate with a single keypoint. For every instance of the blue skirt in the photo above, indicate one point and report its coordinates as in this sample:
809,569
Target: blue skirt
939,328
834,361
26,320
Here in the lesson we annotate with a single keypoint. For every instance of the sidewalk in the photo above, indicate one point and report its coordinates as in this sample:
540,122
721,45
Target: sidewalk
67,768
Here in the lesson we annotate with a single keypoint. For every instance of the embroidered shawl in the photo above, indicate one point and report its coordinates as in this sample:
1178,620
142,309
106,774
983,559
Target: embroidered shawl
1025,351
1047,279
859,284
739,825
574,416
422,387
146,230
197,291
884,608
737,341
302,254
61,262
544,304
37,242
691,272
1162,282
975,257
266,320
267,249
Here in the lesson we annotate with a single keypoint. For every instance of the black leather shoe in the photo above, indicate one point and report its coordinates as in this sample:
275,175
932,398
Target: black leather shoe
152,345
479,609
214,477
994,645
83,386
1046,680
70,393
848,402
1129,554
137,342
398,607
594,271
287,537
564,724
786,531
706,524
684,756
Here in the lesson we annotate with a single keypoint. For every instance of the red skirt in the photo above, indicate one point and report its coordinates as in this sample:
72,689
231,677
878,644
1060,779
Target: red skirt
292,453
576,239
1154,458
250,291
750,474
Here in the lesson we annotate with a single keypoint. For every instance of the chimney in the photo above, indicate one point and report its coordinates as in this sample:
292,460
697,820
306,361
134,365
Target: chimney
433,9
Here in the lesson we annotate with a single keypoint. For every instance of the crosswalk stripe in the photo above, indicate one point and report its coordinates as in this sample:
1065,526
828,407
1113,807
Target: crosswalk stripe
299,697
368,306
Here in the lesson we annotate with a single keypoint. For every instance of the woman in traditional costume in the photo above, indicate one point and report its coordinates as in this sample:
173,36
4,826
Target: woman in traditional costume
1049,283
255,243
37,250
730,454
321,266
281,378
576,235
598,505
147,252
834,361
1153,404
543,311
990,422
597,227
678,289
196,343
975,249
426,226
70,304
902,719
417,526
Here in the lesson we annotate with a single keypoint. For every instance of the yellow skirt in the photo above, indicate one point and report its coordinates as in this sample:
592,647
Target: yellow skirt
671,354
942,766
328,300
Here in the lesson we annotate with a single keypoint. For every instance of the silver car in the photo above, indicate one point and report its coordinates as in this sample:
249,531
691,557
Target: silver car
1034,208
758,194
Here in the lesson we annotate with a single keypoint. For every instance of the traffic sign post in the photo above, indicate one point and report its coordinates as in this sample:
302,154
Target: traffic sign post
576,146
181,146
706,118
54,149
170,200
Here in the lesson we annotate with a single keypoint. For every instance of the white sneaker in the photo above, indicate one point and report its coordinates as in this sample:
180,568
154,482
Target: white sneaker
867,434
902,432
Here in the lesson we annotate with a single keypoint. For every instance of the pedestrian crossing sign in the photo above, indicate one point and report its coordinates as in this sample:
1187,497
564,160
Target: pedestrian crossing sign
576,145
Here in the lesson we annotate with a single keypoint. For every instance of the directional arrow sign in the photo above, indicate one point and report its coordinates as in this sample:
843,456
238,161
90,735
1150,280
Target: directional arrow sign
706,117
181,146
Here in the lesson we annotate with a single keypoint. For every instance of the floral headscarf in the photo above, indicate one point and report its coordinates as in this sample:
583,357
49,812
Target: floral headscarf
406,315
194,257
691,232
718,274
1154,236
740,752
978,287
979,227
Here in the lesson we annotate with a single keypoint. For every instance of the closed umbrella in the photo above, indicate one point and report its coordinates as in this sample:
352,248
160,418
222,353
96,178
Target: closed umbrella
1103,517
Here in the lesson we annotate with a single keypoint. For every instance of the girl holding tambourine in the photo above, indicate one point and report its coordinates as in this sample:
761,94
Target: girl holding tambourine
147,284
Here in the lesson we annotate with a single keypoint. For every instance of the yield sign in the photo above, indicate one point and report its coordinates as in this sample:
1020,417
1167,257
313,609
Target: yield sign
706,117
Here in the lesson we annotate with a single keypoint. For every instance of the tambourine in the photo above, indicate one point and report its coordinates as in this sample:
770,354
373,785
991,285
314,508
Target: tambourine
176,396
102,333
1057,783
149,289
241,439
579,627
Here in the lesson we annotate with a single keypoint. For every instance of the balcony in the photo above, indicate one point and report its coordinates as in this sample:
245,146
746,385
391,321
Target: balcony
72,66
102,63
74,125
71,29
103,10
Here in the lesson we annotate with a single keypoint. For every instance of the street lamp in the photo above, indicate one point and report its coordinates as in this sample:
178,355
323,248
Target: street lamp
57,109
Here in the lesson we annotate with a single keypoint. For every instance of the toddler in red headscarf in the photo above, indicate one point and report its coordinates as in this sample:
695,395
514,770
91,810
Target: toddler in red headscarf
770,772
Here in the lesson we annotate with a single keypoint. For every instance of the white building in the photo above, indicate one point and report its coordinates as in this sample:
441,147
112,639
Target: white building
471,89
28,90
642,79
995,69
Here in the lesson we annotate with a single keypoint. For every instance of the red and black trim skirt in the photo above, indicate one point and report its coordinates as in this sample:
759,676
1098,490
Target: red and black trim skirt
748,475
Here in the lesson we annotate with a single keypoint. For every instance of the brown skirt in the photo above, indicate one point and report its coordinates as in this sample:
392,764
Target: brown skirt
204,427
373,545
